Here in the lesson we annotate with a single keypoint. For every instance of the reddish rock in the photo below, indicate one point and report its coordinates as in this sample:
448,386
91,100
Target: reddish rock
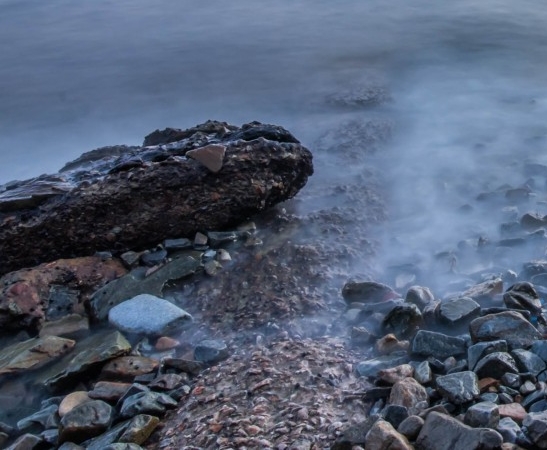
128,367
409,393
513,410
27,298
395,374
382,436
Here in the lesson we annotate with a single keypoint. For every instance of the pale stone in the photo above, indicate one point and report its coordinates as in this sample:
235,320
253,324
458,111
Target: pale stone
71,401
211,156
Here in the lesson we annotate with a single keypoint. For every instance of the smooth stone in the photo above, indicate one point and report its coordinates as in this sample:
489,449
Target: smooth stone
211,156
458,388
515,411
411,426
149,315
371,367
139,429
134,284
509,326
211,351
146,403
536,428
442,432
166,343
495,365
85,421
88,354
383,436
109,391
33,354
528,361
482,415
480,350
438,345
367,292
394,374
420,296
71,326
71,401
458,310
128,367
509,429
410,394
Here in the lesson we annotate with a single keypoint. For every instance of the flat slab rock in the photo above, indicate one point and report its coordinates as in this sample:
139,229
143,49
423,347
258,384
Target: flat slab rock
134,198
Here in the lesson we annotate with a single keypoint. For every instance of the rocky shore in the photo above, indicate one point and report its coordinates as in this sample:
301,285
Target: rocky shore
250,334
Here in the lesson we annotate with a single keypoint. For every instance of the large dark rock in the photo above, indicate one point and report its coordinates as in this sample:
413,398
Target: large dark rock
147,194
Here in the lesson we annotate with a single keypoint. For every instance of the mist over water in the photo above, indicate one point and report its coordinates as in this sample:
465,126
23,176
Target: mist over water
467,84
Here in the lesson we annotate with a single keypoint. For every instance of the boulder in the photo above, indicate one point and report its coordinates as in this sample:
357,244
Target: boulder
136,199
85,421
523,295
382,436
536,428
410,394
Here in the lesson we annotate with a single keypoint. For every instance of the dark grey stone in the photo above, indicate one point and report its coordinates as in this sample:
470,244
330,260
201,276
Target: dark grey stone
85,421
177,244
523,296
459,388
477,351
495,365
154,258
509,326
438,345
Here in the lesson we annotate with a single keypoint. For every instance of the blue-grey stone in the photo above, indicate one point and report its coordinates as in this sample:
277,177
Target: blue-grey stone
458,310
480,350
540,349
149,315
438,345
422,372
460,387
536,428
528,361
509,429
483,414
395,414
153,403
